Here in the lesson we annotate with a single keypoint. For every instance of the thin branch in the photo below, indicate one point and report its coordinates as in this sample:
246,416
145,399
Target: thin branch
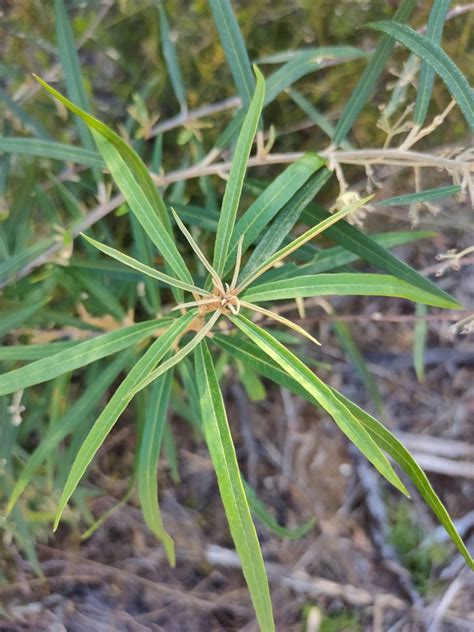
355,157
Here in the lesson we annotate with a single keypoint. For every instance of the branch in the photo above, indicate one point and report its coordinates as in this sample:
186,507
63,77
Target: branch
355,157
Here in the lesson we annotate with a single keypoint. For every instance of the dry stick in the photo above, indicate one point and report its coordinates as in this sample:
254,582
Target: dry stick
361,157
355,157
301,582
105,569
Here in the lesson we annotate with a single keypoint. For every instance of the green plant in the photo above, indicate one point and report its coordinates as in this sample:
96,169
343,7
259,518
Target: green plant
254,260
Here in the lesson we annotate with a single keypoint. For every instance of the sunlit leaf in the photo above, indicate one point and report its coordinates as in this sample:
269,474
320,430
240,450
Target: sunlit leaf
296,369
117,404
222,451
435,57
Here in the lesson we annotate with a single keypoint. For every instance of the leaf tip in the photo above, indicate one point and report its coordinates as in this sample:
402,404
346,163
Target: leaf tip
258,73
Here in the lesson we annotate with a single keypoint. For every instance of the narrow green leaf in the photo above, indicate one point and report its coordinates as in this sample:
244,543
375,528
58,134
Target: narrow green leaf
285,221
350,347
251,354
318,52
82,408
296,369
79,355
108,514
342,284
33,352
279,193
171,58
222,451
149,453
421,196
233,189
169,446
315,115
28,122
50,149
13,264
142,246
356,241
141,267
71,68
262,513
435,57
142,208
134,180
388,442
332,258
288,74
301,240
420,336
179,355
361,94
251,382
14,318
104,297
434,33
234,48
117,404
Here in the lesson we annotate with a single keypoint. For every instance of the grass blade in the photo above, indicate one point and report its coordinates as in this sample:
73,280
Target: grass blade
296,369
15,317
50,149
133,179
234,48
435,57
357,242
352,350
332,258
285,221
141,267
343,284
80,410
317,117
149,453
421,196
320,53
222,451
262,513
117,404
288,74
171,58
79,355
420,336
71,68
366,85
434,33
279,193
179,355
233,189
301,240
